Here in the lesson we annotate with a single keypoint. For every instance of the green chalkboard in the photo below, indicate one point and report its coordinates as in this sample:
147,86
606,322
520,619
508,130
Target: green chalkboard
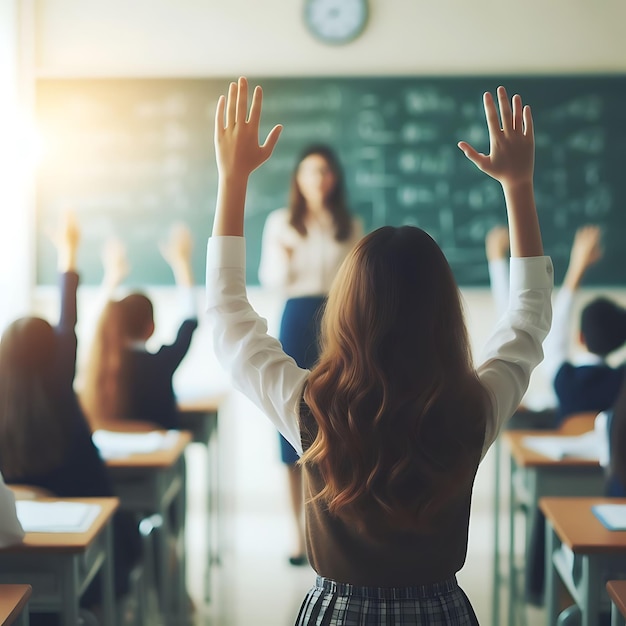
132,156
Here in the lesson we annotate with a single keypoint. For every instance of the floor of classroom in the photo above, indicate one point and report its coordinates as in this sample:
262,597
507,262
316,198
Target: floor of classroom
253,582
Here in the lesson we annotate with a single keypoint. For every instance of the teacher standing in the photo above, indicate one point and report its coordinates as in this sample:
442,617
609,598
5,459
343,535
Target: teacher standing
303,247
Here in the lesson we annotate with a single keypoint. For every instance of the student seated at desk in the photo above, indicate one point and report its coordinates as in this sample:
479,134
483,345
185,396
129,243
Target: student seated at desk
11,531
123,380
45,440
590,383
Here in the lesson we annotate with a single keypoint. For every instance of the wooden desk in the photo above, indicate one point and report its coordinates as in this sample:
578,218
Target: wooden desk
155,483
199,414
571,522
617,592
60,566
14,604
533,476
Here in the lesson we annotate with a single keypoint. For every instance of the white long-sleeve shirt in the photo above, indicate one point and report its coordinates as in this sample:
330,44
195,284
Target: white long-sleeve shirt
270,379
11,531
313,261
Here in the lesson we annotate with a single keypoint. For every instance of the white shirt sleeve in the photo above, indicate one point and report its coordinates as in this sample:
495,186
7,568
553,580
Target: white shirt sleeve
499,282
557,343
11,531
256,362
514,348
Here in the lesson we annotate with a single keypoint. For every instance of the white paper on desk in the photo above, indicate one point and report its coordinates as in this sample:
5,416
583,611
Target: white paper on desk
115,444
586,446
56,517
612,516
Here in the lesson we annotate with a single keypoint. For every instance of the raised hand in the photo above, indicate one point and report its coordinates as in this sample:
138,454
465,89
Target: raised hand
177,253
237,145
115,262
497,243
238,154
586,250
66,238
511,141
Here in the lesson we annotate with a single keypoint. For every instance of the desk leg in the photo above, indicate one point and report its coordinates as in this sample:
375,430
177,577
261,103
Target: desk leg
108,594
590,600
24,617
551,583
69,592
163,560
616,618
512,581
495,605
180,513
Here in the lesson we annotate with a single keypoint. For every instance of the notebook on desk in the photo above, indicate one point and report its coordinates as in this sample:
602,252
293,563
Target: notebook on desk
612,516
113,444
585,446
56,517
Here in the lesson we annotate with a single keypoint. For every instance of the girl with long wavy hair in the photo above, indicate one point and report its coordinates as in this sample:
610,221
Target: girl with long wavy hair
303,247
393,420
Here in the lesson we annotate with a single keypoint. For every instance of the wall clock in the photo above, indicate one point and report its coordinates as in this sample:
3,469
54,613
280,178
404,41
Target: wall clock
336,21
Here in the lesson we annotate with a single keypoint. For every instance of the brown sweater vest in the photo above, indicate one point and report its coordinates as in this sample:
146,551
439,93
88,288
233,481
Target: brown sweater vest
395,558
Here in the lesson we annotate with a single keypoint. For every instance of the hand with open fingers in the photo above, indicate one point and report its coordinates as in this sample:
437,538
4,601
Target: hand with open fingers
511,141
177,249
237,145
587,248
114,261
497,243
66,239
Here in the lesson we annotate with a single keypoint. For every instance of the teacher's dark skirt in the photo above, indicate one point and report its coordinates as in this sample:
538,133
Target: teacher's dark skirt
299,336
333,604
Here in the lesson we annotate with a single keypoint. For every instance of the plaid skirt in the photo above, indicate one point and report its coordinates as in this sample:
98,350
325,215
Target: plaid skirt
337,604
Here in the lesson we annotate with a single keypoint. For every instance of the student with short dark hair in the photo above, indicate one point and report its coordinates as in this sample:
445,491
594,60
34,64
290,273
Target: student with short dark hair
393,420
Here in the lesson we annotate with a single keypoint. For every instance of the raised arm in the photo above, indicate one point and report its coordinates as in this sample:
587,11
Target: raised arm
511,162
238,154
177,253
586,250
66,240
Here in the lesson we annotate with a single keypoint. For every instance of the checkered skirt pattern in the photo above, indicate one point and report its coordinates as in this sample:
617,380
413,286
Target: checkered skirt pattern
337,604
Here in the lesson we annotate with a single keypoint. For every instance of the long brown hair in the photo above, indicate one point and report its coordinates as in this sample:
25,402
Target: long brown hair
34,431
336,202
105,393
399,411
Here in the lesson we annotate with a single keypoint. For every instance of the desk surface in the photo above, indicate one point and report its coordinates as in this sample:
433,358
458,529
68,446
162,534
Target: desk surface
208,403
524,457
13,598
577,526
67,542
159,459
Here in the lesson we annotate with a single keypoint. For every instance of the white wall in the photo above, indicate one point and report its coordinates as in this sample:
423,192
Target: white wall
200,37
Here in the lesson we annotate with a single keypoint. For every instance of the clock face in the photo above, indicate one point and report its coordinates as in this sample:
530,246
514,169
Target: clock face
335,21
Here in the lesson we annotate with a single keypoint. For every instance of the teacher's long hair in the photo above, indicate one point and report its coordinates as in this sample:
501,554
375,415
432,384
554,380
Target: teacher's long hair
399,411
336,202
